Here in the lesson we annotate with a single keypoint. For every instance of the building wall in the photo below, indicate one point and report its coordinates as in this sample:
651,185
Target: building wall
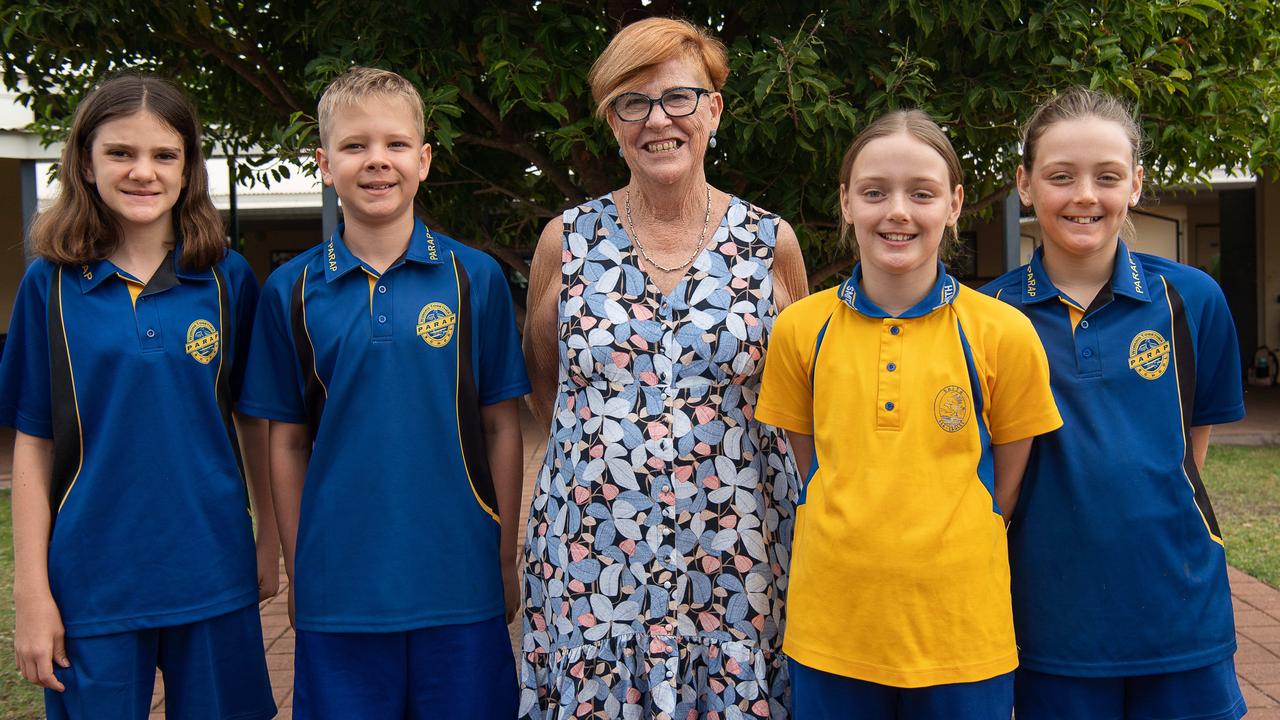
11,258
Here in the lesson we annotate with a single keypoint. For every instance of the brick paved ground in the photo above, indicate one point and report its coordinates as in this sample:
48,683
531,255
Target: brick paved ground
1257,605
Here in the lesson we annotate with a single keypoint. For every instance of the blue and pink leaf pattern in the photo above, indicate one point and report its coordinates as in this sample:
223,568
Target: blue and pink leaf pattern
660,531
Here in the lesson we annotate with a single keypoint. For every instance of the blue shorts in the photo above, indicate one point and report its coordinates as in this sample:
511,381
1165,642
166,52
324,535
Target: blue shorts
452,671
1207,693
214,669
818,695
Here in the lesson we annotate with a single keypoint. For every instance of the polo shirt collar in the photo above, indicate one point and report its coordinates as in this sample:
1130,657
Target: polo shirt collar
943,292
339,260
1127,278
169,274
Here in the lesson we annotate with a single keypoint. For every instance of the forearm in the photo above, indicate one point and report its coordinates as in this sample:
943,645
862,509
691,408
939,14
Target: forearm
32,514
1200,444
802,451
1010,460
255,452
506,465
290,452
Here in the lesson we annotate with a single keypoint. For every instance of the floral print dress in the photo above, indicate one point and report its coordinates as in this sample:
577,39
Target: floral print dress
660,530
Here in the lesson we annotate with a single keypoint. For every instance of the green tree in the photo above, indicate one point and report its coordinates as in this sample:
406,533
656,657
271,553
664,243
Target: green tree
510,113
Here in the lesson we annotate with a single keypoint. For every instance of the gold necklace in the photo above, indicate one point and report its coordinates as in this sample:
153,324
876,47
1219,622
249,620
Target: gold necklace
635,239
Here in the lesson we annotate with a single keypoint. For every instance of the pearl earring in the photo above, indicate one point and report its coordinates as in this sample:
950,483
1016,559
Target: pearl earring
712,142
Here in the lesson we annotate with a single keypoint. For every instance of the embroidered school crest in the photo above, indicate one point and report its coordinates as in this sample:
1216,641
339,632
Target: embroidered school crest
951,408
202,341
435,324
1149,354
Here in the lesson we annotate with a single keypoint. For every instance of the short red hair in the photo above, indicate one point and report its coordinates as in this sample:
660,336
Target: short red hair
648,43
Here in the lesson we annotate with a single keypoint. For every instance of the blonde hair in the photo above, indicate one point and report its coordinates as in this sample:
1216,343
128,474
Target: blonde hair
642,45
360,83
919,126
79,228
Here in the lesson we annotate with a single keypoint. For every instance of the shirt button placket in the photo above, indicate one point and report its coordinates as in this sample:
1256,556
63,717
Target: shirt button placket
381,309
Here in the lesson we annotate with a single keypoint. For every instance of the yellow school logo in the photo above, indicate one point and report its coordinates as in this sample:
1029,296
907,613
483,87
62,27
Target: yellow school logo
1149,354
951,408
202,341
435,324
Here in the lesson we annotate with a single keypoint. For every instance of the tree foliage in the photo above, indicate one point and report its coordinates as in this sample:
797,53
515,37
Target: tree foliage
510,113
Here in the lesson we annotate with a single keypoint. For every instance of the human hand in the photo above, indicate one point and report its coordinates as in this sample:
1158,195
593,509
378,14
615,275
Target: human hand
39,640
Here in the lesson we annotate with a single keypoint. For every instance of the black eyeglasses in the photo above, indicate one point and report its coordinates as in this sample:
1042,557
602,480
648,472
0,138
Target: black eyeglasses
676,102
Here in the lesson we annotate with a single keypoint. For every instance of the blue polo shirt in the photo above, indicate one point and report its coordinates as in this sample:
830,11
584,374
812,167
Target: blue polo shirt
134,383
1118,564
399,523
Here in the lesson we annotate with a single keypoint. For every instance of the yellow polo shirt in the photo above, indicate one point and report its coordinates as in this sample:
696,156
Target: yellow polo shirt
899,570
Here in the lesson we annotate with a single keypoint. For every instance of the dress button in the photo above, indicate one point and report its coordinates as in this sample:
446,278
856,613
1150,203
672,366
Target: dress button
1087,352
382,289
666,488
382,318
1084,324
667,584
888,406
895,330
671,674
151,333
891,367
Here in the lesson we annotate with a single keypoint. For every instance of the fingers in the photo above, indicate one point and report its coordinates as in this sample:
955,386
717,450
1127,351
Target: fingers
37,665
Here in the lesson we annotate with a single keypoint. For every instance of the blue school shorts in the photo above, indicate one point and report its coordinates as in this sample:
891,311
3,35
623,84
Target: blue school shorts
451,671
1207,693
213,669
818,695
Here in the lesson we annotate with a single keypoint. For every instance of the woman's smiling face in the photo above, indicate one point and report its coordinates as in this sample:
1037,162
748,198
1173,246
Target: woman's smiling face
662,148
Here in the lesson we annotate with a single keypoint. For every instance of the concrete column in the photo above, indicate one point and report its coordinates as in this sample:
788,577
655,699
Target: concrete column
1012,209
328,212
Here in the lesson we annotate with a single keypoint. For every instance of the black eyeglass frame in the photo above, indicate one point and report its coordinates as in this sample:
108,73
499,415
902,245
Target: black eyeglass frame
697,100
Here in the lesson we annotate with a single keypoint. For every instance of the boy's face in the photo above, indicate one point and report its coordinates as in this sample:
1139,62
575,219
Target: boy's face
374,158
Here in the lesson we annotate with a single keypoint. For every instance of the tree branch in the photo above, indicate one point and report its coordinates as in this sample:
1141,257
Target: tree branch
513,143
249,74
835,266
999,194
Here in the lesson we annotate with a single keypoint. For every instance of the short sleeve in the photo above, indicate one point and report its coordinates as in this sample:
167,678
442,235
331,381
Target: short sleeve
1219,390
500,367
24,368
786,391
244,301
272,379
1022,403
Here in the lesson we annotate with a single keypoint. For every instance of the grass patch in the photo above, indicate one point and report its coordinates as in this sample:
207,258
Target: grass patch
1244,486
19,699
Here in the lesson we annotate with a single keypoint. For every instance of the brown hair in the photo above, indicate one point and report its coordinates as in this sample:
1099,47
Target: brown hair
361,83
643,45
79,228
1073,104
921,127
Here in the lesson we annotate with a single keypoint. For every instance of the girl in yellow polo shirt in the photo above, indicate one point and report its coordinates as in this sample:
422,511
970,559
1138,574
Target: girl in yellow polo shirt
910,402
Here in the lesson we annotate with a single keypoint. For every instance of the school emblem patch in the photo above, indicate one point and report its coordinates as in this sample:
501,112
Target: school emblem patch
952,408
1149,354
202,341
435,324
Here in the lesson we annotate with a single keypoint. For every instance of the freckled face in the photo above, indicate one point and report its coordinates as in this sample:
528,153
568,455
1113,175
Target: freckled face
898,201
663,148
137,165
1082,184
